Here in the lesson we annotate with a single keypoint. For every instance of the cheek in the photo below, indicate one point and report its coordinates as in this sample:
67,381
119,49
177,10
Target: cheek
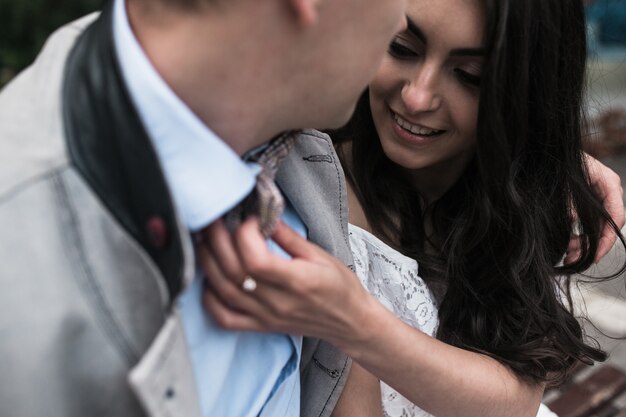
466,115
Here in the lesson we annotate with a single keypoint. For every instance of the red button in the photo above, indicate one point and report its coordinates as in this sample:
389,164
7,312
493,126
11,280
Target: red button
157,232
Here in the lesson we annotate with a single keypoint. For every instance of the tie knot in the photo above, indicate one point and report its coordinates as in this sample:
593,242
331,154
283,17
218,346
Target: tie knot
271,157
265,201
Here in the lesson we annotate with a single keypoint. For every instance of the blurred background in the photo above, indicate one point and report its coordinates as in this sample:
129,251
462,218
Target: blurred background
606,95
25,25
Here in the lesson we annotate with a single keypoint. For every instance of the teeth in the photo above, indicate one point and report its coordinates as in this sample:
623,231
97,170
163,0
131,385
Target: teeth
416,130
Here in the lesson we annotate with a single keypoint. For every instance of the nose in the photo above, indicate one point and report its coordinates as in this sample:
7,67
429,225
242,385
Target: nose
420,93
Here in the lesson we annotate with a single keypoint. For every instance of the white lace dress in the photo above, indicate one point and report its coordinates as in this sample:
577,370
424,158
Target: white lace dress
393,279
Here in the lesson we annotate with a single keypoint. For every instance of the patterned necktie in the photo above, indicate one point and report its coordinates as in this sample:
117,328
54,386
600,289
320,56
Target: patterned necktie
265,200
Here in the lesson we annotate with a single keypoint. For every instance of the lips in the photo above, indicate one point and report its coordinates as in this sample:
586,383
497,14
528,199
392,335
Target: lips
415,129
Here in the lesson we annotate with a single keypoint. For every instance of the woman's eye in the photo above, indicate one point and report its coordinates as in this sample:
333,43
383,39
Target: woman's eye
468,78
400,51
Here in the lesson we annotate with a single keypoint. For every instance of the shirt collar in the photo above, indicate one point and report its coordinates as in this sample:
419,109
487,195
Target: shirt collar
206,177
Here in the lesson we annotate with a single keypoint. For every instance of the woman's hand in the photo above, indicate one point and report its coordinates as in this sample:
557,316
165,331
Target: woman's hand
609,187
312,294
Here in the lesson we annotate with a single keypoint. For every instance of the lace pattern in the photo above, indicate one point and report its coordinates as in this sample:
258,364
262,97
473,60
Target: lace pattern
393,279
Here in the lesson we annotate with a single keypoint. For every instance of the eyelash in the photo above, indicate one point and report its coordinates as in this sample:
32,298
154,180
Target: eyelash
402,52
467,78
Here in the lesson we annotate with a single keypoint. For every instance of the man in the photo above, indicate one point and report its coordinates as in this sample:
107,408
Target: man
122,139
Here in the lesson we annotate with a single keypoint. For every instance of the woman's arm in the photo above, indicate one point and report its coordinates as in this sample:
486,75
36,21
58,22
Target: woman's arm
360,396
315,295
442,379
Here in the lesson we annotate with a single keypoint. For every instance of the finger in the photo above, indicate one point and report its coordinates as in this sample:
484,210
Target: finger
294,244
573,250
607,240
608,186
257,258
229,291
615,207
261,303
227,318
220,243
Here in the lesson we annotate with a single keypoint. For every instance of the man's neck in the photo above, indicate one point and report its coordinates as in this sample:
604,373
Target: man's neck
228,84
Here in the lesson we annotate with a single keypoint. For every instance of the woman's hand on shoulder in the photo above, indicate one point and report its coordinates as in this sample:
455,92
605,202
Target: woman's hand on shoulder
608,185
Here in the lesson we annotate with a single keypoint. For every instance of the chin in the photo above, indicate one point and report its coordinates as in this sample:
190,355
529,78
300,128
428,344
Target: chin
405,159
410,165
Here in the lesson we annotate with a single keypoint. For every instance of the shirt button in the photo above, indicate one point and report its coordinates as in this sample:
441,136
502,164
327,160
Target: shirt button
157,232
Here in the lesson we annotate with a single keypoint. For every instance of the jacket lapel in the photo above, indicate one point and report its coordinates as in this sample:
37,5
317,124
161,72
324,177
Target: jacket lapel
111,149
163,379
313,181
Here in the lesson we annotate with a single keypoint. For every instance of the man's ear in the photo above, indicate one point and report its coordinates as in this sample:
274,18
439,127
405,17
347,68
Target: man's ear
305,11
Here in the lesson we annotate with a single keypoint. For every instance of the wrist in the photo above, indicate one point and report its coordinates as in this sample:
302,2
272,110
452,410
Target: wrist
368,322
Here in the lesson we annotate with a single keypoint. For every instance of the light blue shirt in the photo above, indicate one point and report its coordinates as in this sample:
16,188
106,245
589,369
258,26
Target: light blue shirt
238,374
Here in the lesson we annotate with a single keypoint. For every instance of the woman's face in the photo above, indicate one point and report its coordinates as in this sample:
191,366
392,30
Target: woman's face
424,98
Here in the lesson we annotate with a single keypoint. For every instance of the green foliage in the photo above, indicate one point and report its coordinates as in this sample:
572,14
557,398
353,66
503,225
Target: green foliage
25,25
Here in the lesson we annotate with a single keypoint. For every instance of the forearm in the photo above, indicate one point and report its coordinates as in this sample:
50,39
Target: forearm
444,380
361,395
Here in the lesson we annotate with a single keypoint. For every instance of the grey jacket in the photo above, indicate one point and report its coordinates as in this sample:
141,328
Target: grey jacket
93,253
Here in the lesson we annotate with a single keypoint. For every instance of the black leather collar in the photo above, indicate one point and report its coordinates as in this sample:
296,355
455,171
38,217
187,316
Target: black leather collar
110,147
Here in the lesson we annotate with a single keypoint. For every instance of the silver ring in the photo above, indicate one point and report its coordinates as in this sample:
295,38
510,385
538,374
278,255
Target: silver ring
249,284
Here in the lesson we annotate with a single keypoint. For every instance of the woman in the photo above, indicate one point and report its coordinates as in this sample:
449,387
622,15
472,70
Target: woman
434,144
465,156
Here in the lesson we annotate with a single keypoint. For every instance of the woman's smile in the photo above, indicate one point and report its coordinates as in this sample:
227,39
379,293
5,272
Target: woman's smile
414,133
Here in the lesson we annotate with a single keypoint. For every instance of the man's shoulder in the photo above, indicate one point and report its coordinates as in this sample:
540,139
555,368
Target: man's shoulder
56,46
31,125
310,161
314,146
318,138
65,36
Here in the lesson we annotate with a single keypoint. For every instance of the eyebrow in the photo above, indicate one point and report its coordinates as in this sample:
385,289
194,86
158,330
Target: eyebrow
417,32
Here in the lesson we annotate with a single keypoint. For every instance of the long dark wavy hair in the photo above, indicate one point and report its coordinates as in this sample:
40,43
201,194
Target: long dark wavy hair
504,225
